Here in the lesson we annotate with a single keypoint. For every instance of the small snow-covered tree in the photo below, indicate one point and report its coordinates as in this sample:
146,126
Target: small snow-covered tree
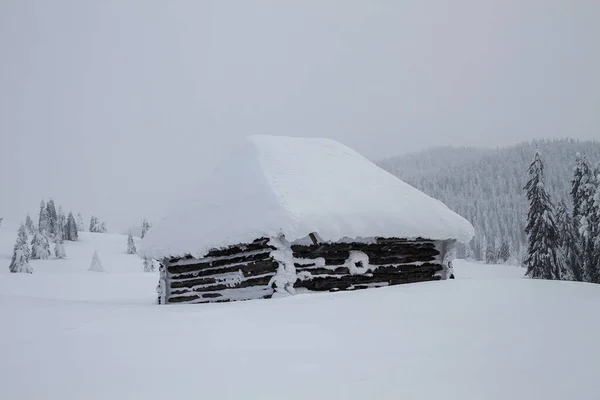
543,260
71,228
145,227
582,192
40,248
131,245
94,225
103,227
52,216
59,249
80,224
61,222
504,252
29,225
569,242
96,265
589,230
490,253
148,265
44,221
20,259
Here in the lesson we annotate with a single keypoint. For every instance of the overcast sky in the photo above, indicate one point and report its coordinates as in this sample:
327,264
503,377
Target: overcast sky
111,106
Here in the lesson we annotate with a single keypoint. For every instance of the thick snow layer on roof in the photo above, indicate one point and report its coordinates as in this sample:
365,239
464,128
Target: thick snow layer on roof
276,185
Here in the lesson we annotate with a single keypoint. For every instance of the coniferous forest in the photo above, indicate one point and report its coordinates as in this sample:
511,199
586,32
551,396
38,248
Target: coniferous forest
486,186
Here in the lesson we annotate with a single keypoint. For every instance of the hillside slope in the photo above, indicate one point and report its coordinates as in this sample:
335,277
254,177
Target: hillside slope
486,185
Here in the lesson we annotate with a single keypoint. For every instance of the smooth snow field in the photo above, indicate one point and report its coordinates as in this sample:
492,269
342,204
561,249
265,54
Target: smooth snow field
68,333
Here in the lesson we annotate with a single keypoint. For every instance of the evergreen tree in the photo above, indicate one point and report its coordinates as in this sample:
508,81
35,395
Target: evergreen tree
61,224
567,240
504,252
103,227
543,260
589,230
20,259
40,248
29,225
71,228
94,224
131,245
59,249
44,222
596,230
585,216
96,265
145,227
80,224
490,253
148,265
52,217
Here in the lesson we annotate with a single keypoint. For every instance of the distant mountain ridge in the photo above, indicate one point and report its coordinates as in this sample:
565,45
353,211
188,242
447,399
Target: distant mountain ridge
486,185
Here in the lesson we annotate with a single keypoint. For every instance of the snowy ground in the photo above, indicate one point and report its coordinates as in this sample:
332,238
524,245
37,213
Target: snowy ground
72,334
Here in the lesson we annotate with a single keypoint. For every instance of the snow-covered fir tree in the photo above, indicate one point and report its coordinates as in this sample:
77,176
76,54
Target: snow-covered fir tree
94,225
131,245
491,254
80,223
52,216
61,223
20,259
71,228
543,251
504,252
566,241
148,265
59,249
40,248
596,230
29,225
96,265
103,227
44,221
145,227
584,185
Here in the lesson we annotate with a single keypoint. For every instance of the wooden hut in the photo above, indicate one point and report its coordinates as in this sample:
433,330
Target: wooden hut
287,215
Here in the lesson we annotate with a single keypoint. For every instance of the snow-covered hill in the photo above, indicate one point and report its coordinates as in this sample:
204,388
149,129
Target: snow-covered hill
68,333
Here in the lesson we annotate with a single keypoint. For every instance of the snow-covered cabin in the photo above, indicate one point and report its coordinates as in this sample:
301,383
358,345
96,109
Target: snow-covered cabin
288,214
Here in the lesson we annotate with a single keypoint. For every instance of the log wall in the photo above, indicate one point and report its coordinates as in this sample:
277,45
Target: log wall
328,266
248,271
241,272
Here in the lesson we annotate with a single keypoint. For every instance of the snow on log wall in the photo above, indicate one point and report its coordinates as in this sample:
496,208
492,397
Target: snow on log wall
253,270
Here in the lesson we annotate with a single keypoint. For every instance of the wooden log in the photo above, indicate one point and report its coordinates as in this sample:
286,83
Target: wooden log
331,253
343,282
393,269
325,271
366,247
243,259
250,269
217,297
202,284
258,244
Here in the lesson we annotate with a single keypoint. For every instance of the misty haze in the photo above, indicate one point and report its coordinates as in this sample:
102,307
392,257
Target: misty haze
319,199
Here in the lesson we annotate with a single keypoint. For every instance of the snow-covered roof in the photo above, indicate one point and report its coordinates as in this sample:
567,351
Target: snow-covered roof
294,186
